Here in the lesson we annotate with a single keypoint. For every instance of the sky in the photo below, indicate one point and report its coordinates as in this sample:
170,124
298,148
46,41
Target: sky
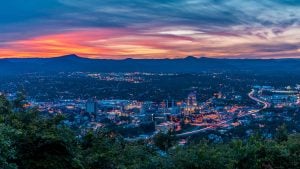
118,29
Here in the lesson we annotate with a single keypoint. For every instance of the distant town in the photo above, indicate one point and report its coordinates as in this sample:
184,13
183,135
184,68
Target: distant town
217,114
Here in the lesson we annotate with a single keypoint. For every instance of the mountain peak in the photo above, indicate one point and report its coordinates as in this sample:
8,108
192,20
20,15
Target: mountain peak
71,56
190,58
128,59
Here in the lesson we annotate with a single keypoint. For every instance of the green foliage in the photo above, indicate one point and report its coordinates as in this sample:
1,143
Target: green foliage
7,148
5,106
202,156
282,133
19,102
164,141
105,149
45,144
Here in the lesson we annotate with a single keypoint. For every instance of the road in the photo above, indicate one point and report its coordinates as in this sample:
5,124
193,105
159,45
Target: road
266,104
251,95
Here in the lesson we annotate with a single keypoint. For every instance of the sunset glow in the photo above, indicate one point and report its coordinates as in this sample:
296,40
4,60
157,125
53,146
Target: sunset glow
140,29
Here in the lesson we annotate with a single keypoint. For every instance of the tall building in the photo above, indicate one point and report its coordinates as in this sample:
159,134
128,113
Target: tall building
192,99
174,109
91,106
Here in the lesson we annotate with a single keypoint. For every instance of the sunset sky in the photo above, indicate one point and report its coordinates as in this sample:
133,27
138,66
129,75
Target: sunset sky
150,28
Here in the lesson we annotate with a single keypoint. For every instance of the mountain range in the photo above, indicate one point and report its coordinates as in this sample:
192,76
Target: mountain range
190,64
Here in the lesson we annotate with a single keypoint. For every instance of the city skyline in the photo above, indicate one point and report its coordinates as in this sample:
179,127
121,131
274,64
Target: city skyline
157,29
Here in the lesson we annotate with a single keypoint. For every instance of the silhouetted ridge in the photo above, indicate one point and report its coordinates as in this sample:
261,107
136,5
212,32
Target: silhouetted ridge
190,58
71,56
190,64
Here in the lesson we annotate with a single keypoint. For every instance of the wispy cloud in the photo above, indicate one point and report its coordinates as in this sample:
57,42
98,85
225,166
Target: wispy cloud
157,28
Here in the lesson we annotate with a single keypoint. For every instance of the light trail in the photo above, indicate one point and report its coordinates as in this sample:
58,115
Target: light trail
251,95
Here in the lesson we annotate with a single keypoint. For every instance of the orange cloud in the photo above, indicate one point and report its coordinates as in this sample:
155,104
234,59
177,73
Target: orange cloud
123,43
100,43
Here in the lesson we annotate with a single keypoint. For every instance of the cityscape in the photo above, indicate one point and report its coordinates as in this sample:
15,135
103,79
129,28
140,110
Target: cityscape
148,115
140,84
220,111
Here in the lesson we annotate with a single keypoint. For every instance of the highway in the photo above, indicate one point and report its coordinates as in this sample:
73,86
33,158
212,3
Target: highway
266,104
251,95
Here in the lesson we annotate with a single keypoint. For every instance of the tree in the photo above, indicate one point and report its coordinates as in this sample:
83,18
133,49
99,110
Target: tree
4,105
281,134
7,148
19,102
164,141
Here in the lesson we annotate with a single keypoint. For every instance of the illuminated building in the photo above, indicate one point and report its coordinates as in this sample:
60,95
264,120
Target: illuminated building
165,127
192,99
91,106
191,104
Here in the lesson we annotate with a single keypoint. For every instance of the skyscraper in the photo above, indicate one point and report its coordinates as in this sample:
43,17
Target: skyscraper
192,99
91,106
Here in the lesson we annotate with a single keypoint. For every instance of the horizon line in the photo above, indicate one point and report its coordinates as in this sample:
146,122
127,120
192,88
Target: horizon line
165,58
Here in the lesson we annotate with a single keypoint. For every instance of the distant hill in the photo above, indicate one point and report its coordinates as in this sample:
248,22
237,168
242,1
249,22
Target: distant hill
189,64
